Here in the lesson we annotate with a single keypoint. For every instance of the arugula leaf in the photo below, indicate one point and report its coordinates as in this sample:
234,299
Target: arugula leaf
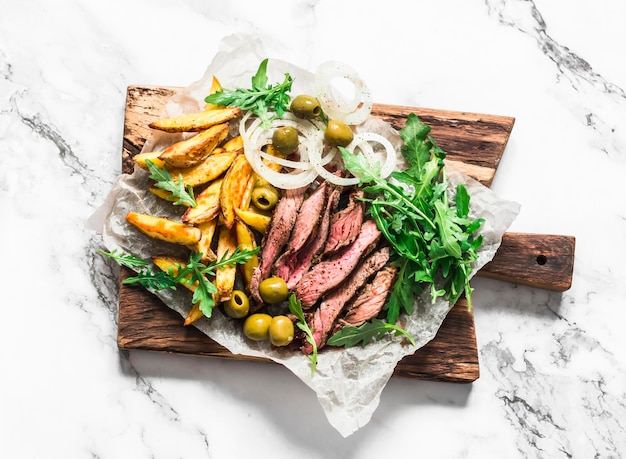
164,180
194,273
350,336
431,238
124,259
261,99
295,307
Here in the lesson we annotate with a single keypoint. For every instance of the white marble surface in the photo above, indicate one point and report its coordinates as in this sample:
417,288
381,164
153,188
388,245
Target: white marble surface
553,366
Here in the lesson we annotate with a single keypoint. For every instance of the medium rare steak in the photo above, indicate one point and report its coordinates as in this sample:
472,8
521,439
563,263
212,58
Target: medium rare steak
292,265
277,235
327,274
369,302
308,218
333,303
345,224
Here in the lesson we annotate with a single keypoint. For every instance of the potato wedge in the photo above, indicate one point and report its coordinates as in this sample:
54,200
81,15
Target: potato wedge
234,187
164,229
194,122
257,221
236,143
209,169
208,205
247,194
225,277
204,245
192,151
140,159
247,241
216,86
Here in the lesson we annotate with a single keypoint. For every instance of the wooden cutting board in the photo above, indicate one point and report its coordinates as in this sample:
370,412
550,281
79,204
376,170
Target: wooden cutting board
475,143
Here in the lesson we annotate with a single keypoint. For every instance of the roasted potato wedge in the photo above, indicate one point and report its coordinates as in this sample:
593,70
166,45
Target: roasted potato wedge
195,122
236,143
165,229
225,277
204,245
192,151
257,221
234,188
140,159
216,86
209,169
247,241
247,194
208,205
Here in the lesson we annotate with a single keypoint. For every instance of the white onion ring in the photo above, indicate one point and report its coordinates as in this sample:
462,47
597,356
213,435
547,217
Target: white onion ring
363,140
351,112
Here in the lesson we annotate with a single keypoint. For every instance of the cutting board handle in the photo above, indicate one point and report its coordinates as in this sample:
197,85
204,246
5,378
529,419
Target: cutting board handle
539,260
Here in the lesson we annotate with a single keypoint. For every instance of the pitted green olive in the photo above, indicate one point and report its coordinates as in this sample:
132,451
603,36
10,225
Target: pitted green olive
238,305
338,134
306,107
257,326
273,290
285,140
281,331
265,197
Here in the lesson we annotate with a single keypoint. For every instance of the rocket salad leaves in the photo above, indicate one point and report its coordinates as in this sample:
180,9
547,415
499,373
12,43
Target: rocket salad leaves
432,239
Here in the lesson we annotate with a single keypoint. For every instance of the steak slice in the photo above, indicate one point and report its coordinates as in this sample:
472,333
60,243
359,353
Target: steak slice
276,235
294,263
369,302
333,303
308,218
327,274
346,224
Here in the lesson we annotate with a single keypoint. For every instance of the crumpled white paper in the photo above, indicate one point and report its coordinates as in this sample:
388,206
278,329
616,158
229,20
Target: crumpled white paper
347,382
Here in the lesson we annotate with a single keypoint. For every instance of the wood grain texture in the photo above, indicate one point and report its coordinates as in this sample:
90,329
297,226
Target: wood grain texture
539,260
475,141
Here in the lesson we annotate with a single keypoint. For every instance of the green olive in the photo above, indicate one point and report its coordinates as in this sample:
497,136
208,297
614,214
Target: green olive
273,290
285,140
338,134
257,326
265,197
281,331
304,106
238,305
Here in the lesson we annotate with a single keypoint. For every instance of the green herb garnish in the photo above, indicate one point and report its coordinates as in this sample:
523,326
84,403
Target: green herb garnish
295,308
163,179
432,239
350,336
194,273
261,99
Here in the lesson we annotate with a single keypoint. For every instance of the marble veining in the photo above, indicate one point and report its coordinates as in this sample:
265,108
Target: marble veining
553,367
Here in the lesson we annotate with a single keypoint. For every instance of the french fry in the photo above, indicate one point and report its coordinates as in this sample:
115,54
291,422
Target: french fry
225,277
208,205
140,159
164,229
216,86
234,187
192,151
209,169
194,122
257,221
247,194
246,240
204,245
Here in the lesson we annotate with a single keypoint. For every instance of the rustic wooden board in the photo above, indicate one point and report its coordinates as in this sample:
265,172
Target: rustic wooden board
474,142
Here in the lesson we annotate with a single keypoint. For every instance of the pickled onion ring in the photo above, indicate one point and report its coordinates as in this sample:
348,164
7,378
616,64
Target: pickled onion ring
355,111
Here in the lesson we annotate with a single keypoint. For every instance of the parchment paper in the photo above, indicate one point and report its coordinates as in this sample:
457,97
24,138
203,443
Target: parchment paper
347,382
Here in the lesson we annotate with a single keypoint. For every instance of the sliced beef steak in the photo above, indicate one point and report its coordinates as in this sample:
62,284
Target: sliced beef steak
333,303
369,302
345,224
277,235
327,274
294,263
